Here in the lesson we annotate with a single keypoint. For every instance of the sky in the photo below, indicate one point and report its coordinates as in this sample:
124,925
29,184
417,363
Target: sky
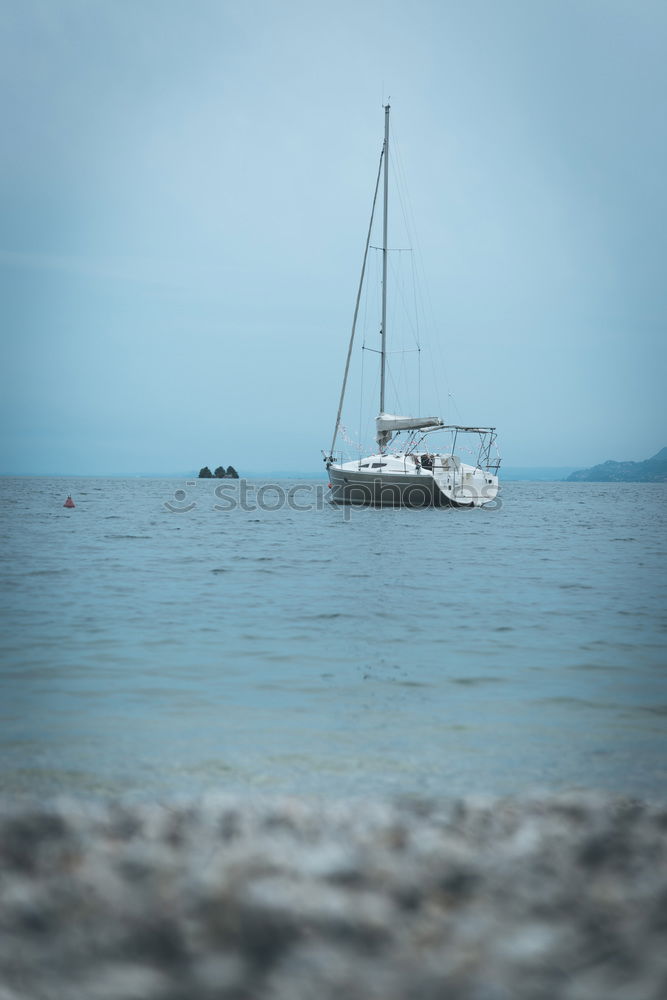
184,195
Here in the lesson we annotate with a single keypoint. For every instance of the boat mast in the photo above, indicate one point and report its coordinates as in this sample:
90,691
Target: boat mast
383,350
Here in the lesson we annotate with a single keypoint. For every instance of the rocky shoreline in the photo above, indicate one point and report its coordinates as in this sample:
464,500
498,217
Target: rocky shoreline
292,899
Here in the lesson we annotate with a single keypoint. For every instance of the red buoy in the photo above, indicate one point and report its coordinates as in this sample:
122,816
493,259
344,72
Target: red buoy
69,502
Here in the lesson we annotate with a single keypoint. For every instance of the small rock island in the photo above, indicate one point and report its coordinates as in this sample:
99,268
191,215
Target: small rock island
651,470
220,473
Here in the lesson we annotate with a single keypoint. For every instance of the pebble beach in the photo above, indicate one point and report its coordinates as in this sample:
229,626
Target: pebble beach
238,898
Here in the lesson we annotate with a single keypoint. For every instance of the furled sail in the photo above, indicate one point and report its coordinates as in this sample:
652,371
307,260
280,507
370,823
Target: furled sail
388,423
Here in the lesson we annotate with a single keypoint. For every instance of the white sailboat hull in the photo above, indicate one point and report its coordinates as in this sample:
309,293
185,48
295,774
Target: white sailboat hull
391,485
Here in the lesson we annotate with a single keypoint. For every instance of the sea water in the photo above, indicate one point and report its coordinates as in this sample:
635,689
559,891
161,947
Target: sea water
160,639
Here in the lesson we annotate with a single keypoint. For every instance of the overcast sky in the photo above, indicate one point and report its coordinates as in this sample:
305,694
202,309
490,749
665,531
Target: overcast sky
185,189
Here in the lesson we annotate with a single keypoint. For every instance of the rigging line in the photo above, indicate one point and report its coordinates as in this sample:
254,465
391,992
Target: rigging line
367,420
414,297
401,297
419,349
356,307
361,395
403,376
403,193
421,287
423,291
395,387
401,350
412,312
365,313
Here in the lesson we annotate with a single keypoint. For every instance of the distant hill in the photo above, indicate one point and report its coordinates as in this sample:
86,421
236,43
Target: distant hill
652,470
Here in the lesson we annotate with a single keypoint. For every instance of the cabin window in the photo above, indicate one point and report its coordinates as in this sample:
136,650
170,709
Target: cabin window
378,465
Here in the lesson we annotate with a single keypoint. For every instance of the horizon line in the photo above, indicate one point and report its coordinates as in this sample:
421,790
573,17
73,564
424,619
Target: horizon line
287,473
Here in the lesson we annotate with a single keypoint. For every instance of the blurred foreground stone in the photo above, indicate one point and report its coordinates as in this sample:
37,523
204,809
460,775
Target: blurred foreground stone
243,899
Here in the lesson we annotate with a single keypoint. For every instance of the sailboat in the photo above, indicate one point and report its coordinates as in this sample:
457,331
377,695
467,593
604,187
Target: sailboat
404,472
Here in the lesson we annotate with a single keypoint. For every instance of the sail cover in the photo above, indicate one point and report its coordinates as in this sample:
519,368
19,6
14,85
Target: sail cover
388,423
